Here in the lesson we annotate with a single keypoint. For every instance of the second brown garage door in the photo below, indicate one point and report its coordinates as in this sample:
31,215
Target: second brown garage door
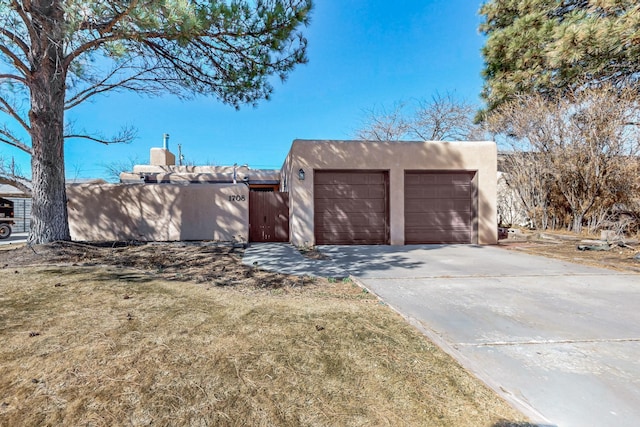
438,207
351,208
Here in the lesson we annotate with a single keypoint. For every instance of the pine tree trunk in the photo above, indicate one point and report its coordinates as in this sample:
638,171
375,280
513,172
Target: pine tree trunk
48,85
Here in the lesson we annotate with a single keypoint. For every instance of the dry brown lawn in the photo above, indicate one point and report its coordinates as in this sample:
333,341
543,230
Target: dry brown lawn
563,246
174,335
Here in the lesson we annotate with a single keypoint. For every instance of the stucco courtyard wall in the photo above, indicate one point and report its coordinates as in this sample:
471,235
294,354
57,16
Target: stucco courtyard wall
396,158
158,212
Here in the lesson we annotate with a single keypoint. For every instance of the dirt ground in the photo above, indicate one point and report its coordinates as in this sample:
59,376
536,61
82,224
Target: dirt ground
199,262
619,256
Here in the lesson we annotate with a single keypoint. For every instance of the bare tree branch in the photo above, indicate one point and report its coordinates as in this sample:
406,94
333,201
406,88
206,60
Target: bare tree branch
124,136
381,125
114,169
441,118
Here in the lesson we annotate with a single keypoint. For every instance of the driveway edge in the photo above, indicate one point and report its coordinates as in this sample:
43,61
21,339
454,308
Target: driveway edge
517,403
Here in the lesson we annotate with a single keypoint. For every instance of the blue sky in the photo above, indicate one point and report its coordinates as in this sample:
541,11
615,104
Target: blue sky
362,54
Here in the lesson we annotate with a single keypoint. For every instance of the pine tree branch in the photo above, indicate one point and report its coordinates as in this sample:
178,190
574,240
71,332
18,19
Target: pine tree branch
19,182
13,77
15,39
6,107
9,138
125,136
17,62
104,85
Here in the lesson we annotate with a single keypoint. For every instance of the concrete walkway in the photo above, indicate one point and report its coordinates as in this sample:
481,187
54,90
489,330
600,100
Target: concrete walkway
284,258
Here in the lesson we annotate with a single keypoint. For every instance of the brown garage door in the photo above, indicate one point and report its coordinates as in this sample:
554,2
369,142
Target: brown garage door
438,207
351,208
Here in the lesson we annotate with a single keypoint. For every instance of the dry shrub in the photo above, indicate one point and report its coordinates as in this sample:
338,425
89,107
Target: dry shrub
573,159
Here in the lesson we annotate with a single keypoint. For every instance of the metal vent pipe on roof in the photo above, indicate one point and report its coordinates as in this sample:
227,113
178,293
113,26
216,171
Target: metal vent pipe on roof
165,141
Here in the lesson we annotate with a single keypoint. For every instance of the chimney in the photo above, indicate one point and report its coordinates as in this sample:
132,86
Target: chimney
162,156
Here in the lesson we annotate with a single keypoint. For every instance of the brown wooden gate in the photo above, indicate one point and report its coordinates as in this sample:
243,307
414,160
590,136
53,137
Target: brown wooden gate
268,216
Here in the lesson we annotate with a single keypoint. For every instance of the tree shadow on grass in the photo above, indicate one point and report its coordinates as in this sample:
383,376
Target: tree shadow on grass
206,263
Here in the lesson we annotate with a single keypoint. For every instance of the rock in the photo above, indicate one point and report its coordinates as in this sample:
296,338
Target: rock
593,247
592,242
515,233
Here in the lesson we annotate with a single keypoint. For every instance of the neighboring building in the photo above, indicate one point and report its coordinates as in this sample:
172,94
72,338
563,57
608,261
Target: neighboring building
327,192
21,207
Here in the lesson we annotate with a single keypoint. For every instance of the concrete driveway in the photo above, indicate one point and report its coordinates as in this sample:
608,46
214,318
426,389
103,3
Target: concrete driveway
560,341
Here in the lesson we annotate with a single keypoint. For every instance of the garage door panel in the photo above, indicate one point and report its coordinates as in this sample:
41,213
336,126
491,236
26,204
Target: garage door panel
459,191
412,180
446,220
349,222
365,178
438,207
419,179
350,207
349,178
350,237
438,236
344,191
351,218
333,206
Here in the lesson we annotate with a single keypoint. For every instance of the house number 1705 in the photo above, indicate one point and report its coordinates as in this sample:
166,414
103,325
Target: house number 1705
236,198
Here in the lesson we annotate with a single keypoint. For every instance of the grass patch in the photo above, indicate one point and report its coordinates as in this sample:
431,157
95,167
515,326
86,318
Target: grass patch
103,346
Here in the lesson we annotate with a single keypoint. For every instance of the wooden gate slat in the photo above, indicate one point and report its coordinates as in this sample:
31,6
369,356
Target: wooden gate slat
268,216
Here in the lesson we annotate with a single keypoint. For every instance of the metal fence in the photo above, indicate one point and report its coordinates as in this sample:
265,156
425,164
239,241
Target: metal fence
21,214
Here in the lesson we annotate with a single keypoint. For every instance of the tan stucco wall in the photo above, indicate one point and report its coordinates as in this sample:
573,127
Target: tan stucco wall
158,212
396,158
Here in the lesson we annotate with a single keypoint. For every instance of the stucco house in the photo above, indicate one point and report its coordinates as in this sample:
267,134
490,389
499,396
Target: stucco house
327,192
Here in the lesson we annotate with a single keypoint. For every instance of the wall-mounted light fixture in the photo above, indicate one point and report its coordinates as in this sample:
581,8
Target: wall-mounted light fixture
301,174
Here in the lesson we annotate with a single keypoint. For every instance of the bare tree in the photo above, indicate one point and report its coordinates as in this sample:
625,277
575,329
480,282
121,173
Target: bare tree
114,169
583,146
511,210
443,117
382,125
